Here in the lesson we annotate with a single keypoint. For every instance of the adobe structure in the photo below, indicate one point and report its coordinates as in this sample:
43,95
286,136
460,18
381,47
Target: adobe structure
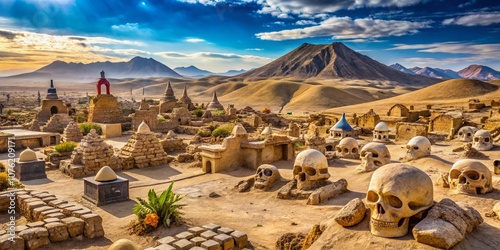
447,123
51,105
407,114
215,104
185,100
144,114
237,150
104,108
368,120
168,102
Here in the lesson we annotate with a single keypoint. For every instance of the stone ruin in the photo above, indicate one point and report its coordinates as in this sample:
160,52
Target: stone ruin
142,150
72,132
51,105
215,104
104,108
91,155
57,123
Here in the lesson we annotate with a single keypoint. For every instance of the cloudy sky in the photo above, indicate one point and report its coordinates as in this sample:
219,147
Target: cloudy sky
219,35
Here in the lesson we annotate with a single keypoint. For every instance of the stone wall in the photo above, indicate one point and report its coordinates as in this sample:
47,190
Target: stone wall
72,132
57,123
150,117
445,124
48,106
165,126
406,130
105,109
49,220
170,145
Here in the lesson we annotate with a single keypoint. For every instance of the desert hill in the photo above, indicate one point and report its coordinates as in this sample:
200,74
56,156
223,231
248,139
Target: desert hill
334,60
455,91
192,71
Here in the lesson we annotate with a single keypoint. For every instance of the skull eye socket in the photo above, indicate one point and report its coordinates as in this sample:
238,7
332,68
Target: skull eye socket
454,174
468,134
346,150
310,171
297,170
362,154
375,155
460,133
408,146
268,172
394,201
372,196
339,150
486,139
473,175
415,147
476,139
354,150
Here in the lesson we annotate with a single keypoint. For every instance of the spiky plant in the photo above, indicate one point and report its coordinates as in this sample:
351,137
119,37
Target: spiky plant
164,206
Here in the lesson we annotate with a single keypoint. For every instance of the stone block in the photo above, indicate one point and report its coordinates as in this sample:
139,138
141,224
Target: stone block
35,224
212,227
164,247
57,231
225,230
197,240
196,231
208,234
351,214
17,242
56,215
35,238
44,214
93,225
79,213
167,240
30,170
211,245
55,203
49,199
36,213
50,220
69,210
197,248
240,239
184,235
183,244
21,228
102,193
225,241
75,226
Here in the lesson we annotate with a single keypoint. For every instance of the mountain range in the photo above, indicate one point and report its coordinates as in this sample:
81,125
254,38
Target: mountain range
477,72
194,72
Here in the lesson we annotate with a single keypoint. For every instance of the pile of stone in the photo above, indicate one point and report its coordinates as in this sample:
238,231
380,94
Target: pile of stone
49,220
89,157
57,123
34,125
142,150
209,237
72,133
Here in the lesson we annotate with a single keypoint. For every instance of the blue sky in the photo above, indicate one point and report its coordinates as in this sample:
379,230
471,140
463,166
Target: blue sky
219,35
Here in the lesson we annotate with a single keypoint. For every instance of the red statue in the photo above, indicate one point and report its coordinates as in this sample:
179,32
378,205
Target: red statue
101,82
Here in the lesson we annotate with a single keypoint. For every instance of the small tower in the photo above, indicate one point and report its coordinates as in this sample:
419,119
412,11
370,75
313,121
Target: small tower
52,92
169,93
342,129
104,81
185,100
39,98
215,104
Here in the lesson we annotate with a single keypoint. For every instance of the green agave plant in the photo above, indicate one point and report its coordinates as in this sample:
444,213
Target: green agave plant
165,206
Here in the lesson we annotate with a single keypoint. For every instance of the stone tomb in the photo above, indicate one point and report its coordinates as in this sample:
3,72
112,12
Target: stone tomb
28,167
105,188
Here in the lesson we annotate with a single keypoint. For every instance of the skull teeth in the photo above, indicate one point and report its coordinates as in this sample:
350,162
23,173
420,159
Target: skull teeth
386,224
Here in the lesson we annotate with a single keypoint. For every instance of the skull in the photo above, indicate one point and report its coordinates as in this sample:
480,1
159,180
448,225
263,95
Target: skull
310,169
466,133
373,155
348,148
470,176
482,140
397,192
417,147
266,176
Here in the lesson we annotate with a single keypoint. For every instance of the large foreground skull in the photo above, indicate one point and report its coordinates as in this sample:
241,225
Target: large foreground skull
466,133
373,155
417,147
482,140
397,192
266,176
470,176
348,148
310,169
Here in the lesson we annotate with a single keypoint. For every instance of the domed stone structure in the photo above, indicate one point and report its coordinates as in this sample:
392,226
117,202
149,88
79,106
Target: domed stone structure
27,155
28,167
105,174
381,132
123,244
143,128
215,104
342,129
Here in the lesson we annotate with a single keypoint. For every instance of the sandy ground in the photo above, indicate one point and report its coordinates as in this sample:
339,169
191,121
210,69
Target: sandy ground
260,214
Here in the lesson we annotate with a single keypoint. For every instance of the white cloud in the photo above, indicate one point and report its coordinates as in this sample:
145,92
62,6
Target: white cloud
327,6
215,2
256,49
347,28
213,56
484,51
306,22
128,27
194,40
477,19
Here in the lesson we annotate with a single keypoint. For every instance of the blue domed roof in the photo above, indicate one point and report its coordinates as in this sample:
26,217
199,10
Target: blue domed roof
342,124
